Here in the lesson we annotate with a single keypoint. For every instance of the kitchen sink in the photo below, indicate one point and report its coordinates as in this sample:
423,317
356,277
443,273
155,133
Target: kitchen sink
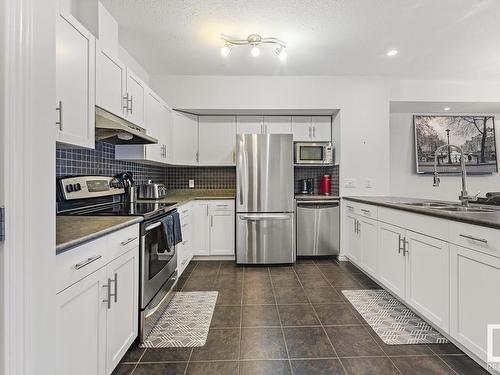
427,204
464,209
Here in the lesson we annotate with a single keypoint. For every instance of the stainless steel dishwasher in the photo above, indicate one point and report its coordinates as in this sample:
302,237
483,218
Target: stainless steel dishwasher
318,227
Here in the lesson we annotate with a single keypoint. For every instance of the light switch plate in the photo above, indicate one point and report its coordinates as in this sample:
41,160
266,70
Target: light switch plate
349,183
191,184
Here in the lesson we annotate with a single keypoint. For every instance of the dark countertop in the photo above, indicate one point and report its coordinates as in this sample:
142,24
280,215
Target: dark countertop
72,231
487,219
182,196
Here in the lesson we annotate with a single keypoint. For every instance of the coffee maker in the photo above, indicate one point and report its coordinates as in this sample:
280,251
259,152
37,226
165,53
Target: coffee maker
306,186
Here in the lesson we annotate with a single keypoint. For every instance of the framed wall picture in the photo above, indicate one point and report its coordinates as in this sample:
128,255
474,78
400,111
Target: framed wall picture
475,134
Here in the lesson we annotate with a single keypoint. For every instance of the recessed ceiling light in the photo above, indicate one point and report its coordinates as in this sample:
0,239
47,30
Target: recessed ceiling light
446,108
392,52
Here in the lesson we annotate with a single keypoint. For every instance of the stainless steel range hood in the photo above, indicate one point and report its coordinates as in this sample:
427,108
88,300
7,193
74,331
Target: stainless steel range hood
113,129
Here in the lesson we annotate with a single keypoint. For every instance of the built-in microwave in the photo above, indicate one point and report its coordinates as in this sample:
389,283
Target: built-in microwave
314,153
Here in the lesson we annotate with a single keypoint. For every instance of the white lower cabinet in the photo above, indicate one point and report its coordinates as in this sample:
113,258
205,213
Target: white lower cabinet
81,327
475,299
121,317
428,277
213,229
222,232
97,310
391,263
368,231
452,281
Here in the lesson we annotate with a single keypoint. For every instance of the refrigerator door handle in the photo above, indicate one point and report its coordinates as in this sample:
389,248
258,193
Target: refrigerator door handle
265,217
240,171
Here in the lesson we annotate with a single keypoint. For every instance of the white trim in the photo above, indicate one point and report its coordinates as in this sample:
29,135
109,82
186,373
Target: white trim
29,249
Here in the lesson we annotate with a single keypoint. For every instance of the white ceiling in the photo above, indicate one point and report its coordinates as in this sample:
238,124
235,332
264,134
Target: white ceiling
436,39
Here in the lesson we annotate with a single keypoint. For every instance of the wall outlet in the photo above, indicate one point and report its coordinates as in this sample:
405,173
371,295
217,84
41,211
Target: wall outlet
349,183
368,183
191,184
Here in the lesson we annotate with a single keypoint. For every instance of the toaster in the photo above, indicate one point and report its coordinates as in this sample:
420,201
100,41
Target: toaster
152,191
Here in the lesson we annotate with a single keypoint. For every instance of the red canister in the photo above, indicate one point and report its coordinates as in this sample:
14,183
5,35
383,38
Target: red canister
326,184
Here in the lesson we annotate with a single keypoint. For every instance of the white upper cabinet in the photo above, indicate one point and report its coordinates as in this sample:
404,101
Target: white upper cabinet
217,140
185,134
278,124
312,128
321,128
249,124
111,82
135,96
75,82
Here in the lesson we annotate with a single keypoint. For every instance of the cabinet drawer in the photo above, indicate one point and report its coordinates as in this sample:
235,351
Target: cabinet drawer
221,205
366,210
475,237
184,210
72,266
121,241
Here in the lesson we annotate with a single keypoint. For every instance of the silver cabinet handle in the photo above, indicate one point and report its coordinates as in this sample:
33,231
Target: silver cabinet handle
125,107
211,221
60,109
131,104
108,289
310,135
265,217
87,262
221,205
115,294
234,156
207,209
197,156
184,211
350,207
469,237
359,227
366,211
355,226
126,242
399,244
183,225
153,226
405,245
314,131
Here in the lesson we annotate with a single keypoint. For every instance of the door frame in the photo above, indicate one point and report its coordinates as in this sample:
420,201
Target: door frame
27,179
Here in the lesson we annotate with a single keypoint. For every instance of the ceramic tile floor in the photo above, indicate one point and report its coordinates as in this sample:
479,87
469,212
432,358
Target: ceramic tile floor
290,320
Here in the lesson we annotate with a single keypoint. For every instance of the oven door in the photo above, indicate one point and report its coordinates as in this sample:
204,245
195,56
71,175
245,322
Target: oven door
310,153
157,262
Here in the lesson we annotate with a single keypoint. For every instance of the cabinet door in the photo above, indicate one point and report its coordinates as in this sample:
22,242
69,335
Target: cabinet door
353,243
122,313
110,82
136,90
201,221
81,327
185,134
217,140
321,128
302,128
222,233
475,299
155,123
428,277
249,124
391,264
368,229
278,124
75,81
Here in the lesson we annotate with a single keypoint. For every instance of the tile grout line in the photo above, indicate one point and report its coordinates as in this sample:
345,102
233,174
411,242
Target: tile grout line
319,320
138,361
279,318
241,319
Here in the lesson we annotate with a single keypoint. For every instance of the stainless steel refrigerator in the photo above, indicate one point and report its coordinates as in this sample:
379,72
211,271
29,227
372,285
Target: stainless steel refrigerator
264,199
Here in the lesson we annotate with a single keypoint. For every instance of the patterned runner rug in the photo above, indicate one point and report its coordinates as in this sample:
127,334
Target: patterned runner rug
185,322
393,322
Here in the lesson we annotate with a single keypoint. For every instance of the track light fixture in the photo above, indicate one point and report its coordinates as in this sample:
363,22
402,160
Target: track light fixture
253,40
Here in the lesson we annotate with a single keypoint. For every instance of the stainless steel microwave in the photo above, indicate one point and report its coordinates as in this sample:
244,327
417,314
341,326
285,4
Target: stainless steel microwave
314,153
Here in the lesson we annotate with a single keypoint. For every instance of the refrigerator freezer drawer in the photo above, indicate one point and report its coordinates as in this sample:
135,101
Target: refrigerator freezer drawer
318,228
265,238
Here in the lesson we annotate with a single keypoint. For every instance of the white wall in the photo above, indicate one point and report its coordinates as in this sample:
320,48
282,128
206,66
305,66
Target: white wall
363,104
406,183
132,63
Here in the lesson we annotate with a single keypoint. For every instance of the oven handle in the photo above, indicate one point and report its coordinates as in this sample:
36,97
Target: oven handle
153,226
151,312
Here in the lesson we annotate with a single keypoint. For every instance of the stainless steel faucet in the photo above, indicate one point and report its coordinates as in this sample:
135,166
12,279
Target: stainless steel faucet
464,196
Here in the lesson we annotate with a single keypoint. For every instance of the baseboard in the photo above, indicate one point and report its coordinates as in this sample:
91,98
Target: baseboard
343,258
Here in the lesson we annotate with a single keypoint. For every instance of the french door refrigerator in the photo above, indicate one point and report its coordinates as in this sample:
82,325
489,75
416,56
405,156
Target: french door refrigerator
264,199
